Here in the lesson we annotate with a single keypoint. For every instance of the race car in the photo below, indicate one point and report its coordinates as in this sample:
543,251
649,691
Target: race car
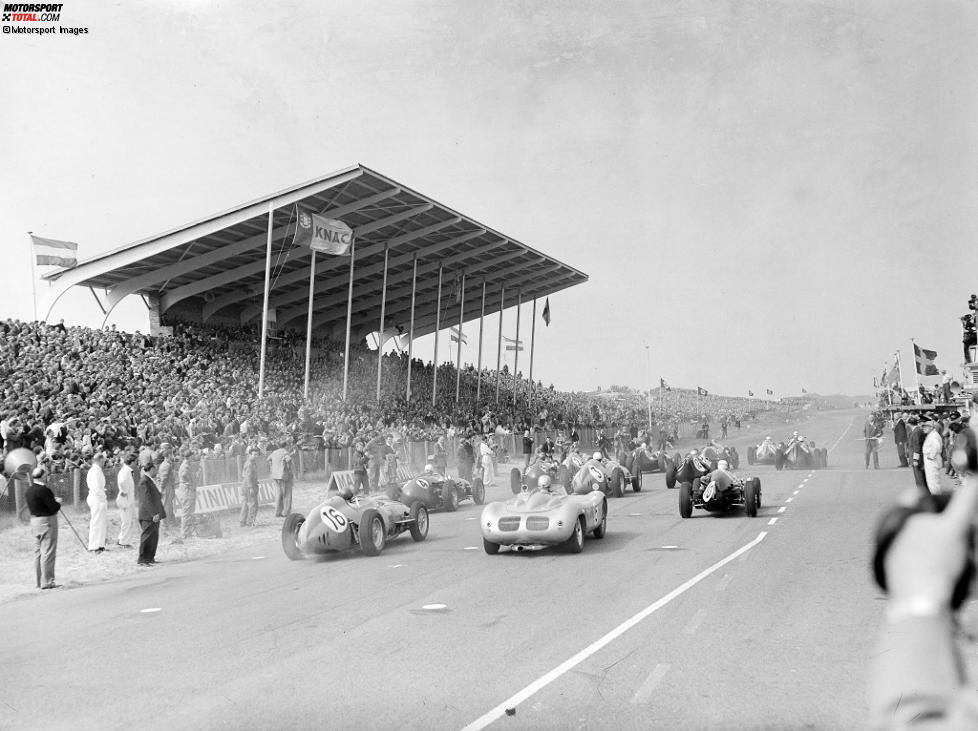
436,491
538,518
346,521
605,474
714,452
799,453
557,471
644,459
764,453
718,492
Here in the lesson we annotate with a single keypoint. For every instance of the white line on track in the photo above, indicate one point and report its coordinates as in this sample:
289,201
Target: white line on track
544,680
782,509
695,622
796,492
788,499
845,431
644,691
149,610
772,521
471,548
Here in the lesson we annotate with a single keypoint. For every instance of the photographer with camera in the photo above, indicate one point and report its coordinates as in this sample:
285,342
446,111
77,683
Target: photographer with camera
924,561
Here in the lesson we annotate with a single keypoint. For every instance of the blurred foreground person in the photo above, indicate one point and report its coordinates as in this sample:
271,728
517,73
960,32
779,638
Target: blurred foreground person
44,507
98,503
917,677
151,510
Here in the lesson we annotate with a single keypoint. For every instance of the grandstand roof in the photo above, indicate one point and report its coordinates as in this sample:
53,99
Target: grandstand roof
213,270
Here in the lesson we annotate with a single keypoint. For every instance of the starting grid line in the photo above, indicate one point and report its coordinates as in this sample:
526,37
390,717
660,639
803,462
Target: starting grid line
544,680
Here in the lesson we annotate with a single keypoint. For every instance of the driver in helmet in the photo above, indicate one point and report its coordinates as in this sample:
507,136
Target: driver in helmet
718,481
432,474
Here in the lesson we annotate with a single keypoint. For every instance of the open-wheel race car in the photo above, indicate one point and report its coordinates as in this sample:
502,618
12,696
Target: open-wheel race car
607,475
439,492
764,453
645,459
799,453
719,491
714,452
537,518
557,471
340,523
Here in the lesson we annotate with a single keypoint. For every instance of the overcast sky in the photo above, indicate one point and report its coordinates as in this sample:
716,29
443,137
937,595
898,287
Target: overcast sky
767,194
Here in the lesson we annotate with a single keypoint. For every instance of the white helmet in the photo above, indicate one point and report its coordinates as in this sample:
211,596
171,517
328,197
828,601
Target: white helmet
722,464
544,482
429,468
596,455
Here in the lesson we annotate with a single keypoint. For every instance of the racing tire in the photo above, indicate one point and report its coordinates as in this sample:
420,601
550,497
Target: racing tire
419,526
637,482
671,477
750,498
372,533
602,528
617,482
779,461
758,481
575,544
515,480
290,531
734,458
491,548
449,497
478,491
751,455
685,499
825,458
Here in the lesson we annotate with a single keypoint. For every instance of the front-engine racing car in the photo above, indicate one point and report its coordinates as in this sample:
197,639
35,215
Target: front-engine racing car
718,492
439,492
343,522
538,517
605,474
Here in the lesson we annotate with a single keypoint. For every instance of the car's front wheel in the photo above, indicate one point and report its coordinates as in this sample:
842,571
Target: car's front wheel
290,536
575,544
449,497
491,548
373,536
419,528
602,528
478,491
685,499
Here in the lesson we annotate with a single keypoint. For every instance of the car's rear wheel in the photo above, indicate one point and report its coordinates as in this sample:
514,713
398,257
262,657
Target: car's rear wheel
419,528
617,479
757,480
685,499
373,536
575,544
290,536
515,480
670,476
637,482
478,491
750,498
734,458
603,525
449,497
491,548
825,458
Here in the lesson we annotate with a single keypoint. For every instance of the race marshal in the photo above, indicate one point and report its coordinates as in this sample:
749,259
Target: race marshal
326,235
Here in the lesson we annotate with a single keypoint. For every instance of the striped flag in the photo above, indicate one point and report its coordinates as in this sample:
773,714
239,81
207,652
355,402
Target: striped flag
456,336
51,252
926,361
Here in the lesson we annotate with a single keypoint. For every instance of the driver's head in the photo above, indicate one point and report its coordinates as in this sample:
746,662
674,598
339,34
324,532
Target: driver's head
346,491
544,482
429,469
722,465
596,455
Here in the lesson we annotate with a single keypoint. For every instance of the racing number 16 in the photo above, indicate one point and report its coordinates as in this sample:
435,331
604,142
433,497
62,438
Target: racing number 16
335,518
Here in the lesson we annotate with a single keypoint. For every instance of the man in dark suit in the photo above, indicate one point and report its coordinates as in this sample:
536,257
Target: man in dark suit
900,437
151,510
916,446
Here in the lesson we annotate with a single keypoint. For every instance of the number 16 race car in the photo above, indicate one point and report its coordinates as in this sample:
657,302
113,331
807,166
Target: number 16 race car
344,522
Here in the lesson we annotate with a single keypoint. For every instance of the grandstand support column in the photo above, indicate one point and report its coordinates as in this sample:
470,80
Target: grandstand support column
482,317
312,283
499,340
516,352
458,350
414,293
349,313
533,335
264,306
380,330
434,377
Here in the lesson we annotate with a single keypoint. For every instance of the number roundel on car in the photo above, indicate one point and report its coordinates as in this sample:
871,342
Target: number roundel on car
423,484
334,519
596,472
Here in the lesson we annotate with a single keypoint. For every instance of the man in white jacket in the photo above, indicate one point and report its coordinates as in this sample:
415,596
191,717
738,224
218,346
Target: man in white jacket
126,502
933,453
97,503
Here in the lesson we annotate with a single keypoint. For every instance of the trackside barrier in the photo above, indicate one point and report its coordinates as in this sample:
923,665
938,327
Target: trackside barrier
227,496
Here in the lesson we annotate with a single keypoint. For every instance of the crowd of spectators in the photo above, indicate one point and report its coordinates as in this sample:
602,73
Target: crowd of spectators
69,392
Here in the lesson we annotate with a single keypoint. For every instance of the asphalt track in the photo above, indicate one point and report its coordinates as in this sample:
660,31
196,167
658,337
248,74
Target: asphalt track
714,622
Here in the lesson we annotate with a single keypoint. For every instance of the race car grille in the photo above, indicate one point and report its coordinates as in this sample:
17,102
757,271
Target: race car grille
511,522
537,522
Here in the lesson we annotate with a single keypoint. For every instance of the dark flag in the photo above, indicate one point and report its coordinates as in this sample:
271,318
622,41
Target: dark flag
546,312
749,392
770,392
926,365
702,391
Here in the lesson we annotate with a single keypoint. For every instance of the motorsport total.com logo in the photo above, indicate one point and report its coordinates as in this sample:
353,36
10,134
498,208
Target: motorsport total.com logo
24,16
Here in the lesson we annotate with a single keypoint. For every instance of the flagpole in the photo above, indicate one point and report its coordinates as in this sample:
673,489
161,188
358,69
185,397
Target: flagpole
383,312
414,289
458,349
533,334
264,306
349,316
30,253
499,340
516,358
900,371
482,317
434,380
312,279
